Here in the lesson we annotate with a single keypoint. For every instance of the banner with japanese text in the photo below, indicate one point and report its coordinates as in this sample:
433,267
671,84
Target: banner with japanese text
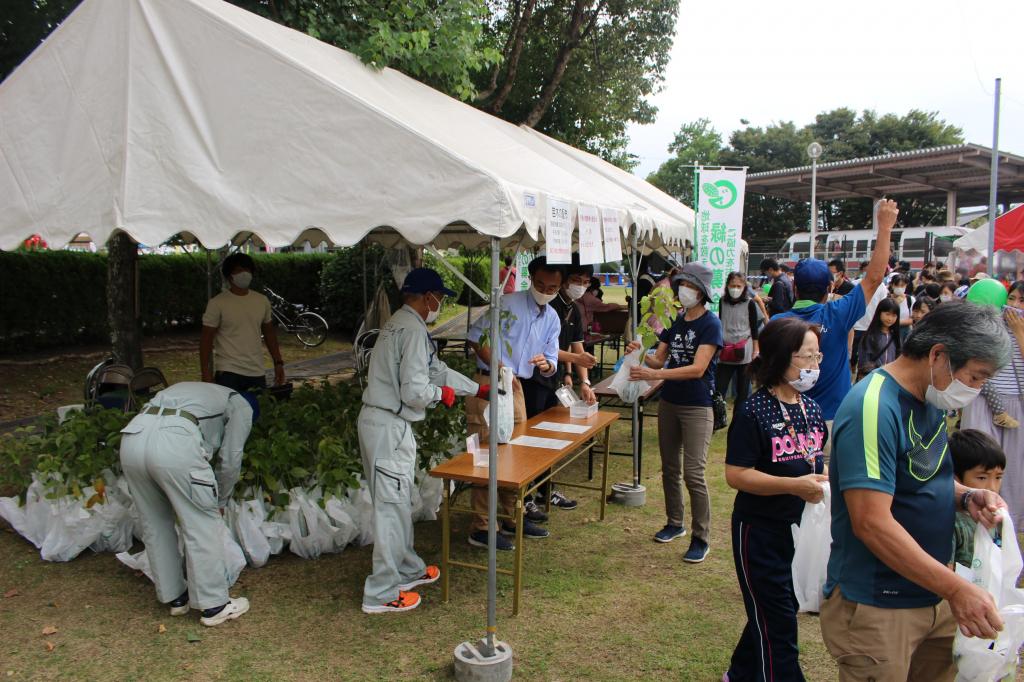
590,235
558,232
720,223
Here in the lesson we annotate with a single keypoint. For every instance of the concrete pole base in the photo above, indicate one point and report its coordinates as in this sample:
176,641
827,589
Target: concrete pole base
628,495
471,665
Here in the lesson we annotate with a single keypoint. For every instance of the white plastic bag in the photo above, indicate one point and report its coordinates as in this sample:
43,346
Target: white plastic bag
812,540
340,513
430,489
310,527
246,521
506,409
628,390
234,559
362,505
996,569
116,523
70,531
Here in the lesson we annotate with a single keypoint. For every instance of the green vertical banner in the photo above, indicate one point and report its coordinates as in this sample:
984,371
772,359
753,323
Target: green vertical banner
720,223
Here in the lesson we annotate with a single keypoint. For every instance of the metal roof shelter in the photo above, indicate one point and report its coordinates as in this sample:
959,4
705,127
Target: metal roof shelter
957,174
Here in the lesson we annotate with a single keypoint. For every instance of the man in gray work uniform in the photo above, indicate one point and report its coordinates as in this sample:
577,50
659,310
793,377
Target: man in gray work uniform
165,455
405,378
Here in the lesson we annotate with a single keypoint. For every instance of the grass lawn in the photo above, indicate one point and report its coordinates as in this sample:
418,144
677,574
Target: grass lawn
601,601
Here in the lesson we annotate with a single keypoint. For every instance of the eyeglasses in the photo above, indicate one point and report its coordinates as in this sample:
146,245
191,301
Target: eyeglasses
816,357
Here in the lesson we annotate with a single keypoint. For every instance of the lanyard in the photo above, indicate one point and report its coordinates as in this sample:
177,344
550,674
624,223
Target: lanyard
809,457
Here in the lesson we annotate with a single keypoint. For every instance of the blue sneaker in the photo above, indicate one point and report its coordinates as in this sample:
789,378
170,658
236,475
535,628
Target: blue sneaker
502,543
530,530
698,551
669,533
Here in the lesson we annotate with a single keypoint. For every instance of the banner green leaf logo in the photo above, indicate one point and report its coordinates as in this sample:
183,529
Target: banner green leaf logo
721,194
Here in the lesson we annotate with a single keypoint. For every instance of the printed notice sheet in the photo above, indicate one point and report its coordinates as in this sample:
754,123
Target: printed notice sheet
535,442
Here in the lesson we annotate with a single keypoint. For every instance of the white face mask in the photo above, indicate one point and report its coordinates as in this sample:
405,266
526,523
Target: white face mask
898,291
808,377
432,314
954,397
242,279
542,299
735,292
946,298
576,290
688,297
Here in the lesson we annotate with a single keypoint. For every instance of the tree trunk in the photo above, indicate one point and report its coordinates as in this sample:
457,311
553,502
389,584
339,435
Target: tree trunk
122,300
574,35
518,39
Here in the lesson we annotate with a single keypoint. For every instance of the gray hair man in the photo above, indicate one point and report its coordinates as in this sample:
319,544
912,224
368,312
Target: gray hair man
893,505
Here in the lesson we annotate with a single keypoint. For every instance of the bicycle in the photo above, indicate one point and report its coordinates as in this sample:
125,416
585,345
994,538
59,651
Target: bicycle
308,327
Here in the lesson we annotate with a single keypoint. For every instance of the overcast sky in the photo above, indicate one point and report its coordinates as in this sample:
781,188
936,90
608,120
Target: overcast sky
787,61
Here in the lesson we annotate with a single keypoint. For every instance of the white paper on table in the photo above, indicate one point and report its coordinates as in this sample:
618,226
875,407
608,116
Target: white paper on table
565,428
535,442
612,240
590,235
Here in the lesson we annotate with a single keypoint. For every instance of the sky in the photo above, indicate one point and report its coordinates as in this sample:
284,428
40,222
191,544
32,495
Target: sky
788,61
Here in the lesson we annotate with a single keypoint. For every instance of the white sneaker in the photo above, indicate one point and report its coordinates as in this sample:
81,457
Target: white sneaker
180,610
234,609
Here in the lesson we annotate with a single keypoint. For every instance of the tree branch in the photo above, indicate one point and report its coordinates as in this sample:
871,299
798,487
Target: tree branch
574,36
519,38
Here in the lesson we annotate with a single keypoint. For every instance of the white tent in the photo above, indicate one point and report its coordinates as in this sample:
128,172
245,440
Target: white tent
195,116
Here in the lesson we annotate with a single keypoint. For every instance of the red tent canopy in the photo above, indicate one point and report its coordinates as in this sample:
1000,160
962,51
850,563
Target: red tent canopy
1010,230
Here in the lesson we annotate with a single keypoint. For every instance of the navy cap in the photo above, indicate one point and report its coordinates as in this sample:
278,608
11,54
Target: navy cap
254,403
811,273
423,281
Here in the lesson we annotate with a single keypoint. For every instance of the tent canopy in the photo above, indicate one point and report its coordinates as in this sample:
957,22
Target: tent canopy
1009,234
195,116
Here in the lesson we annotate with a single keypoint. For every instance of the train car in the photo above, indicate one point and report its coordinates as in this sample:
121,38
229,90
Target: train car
912,244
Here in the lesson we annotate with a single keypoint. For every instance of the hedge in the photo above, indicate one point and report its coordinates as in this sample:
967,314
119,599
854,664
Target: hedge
58,298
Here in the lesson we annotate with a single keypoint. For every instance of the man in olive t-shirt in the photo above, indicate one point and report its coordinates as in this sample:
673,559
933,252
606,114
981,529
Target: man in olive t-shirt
232,325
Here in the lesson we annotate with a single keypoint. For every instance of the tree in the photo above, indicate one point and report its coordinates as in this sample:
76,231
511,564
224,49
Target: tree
696,143
122,300
579,70
26,23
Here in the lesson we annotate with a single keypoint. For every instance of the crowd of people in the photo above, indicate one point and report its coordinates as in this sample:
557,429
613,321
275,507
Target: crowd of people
850,382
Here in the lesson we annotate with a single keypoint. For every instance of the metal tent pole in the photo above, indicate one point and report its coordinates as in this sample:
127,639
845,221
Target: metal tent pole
489,660
993,185
633,494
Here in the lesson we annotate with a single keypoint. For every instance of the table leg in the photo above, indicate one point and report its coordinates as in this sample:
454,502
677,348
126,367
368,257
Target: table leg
640,445
604,469
445,538
517,578
590,465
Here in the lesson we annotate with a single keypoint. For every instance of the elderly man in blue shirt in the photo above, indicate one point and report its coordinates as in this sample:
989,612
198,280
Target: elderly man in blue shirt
528,345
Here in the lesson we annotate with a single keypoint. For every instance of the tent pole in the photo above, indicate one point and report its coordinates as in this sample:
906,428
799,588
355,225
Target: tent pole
635,317
993,184
492,454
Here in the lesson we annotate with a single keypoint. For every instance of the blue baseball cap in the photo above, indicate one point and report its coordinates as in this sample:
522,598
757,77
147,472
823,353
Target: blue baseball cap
811,273
423,281
254,403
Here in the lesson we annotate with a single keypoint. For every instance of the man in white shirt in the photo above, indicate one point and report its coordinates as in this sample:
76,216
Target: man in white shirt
232,327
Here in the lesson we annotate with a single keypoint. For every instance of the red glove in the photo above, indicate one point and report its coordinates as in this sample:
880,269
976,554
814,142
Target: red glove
484,393
447,396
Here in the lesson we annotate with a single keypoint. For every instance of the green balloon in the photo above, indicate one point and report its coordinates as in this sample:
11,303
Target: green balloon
767,288
987,291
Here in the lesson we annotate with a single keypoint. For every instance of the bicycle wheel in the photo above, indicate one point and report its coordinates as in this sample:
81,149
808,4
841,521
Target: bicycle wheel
310,328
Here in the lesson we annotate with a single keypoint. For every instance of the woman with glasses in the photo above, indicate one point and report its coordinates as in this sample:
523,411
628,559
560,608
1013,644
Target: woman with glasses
775,462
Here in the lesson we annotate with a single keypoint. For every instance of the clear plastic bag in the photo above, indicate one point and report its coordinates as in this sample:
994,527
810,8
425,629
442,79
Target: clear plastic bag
812,540
628,390
506,409
996,569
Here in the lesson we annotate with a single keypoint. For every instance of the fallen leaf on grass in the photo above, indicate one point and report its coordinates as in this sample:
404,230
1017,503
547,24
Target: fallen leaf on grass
49,630
50,646
11,593
192,637
162,628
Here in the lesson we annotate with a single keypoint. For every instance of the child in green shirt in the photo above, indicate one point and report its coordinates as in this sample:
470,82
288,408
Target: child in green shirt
978,462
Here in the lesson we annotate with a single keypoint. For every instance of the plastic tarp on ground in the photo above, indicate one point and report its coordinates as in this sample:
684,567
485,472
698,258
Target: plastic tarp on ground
195,116
1009,234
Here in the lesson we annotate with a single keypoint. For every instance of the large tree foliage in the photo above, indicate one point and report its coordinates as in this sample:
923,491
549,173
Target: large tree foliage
24,24
579,70
842,133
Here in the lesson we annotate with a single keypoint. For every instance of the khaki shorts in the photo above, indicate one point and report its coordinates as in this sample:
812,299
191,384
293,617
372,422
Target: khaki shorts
889,645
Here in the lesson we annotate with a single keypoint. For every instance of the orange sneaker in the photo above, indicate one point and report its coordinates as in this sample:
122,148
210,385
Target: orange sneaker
406,601
430,576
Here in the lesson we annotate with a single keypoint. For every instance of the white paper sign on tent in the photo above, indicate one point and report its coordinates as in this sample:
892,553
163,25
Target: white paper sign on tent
612,240
559,231
590,235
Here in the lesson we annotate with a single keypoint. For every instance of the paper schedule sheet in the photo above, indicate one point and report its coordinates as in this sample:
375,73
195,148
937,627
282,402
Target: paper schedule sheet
564,428
535,442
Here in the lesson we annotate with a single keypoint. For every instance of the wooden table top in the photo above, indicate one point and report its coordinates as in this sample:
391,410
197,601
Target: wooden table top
518,465
603,390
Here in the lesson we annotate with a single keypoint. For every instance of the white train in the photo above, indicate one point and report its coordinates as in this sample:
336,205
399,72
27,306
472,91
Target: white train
912,244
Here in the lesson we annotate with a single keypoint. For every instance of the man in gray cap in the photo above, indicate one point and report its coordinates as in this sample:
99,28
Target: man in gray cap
165,455
404,379
685,418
